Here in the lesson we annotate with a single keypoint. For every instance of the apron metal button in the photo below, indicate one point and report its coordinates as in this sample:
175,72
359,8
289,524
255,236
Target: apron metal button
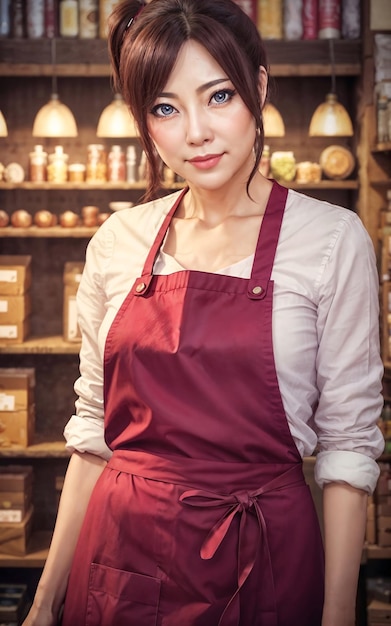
257,290
140,287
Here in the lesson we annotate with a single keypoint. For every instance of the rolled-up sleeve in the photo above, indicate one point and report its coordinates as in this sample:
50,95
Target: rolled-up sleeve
84,431
349,367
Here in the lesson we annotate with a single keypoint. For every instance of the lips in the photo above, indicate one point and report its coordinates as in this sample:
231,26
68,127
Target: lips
206,161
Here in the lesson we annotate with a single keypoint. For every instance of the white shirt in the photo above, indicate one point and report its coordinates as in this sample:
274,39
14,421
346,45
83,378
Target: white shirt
325,330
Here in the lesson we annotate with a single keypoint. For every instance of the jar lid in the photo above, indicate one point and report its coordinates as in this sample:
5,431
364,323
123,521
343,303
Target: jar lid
76,167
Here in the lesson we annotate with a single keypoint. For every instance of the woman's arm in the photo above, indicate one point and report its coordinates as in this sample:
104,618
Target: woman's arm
82,474
344,513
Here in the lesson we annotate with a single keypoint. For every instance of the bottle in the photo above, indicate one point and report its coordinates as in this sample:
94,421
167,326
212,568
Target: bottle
35,18
69,18
131,164
88,19
5,18
51,18
38,164
329,19
382,119
116,170
105,8
310,19
17,19
58,166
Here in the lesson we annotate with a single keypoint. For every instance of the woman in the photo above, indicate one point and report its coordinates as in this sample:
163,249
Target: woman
228,329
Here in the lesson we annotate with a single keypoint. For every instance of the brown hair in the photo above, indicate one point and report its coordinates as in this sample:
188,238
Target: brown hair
144,42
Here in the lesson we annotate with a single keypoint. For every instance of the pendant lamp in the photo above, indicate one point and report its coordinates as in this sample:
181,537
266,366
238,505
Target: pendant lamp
116,120
330,118
3,126
54,119
273,124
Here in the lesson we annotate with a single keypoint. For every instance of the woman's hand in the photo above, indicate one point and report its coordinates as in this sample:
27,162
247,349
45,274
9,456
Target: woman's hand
40,617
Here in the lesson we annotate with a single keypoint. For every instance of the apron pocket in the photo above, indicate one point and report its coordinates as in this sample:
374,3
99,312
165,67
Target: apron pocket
121,598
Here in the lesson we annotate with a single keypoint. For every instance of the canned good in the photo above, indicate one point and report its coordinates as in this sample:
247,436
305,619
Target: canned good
35,14
69,18
310,19
5,18
88,19
76,172
329,19
269,19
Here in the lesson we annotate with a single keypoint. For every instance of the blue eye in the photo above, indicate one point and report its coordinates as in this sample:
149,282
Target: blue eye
163,110
223,96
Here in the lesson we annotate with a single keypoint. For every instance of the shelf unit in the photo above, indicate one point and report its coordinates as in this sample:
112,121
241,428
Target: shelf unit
299,70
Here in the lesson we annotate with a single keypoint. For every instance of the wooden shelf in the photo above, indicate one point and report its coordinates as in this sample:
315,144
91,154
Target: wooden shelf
78,57
377,552
40,449
36,556
53,232
106,186
382,147
41,345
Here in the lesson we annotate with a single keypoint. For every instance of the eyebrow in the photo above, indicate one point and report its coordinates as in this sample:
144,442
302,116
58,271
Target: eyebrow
200,89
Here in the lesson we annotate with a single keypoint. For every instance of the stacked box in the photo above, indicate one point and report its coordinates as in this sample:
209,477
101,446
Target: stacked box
72,277
17,406
16,512
379,613
383,505
15,300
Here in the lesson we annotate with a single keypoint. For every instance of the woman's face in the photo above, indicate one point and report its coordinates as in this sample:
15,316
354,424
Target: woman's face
199,124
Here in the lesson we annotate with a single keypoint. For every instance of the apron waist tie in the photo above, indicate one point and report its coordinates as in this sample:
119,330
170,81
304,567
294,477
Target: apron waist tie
249,536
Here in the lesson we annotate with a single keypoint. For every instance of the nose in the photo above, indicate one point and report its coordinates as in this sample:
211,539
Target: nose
198,129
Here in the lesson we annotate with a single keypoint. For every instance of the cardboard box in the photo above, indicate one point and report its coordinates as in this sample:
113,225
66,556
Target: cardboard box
14,308
379,613
16,478
17,386
72,276
15,501
15,274
15,332
17,427
14,537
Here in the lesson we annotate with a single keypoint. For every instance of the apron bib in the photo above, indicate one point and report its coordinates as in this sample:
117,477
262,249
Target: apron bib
202,516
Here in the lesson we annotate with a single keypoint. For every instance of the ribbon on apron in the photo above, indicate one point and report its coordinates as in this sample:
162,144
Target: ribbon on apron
240,503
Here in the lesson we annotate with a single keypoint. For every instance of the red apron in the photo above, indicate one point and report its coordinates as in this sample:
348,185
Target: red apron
202,517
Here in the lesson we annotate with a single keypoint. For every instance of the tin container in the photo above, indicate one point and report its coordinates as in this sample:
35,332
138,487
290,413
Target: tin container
51,21
310,19
69,18
270,18
35,19
5,18
88,19
293,22
329,19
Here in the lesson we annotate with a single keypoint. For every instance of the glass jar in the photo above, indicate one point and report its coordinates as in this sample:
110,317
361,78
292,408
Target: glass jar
58,166
76,172
116,168
283,165
96,170
270,18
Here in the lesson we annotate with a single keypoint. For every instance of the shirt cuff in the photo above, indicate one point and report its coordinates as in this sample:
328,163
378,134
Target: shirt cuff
85,434
353,468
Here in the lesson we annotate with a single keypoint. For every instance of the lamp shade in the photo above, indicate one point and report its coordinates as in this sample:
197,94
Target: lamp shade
331,119
54,119
116,120
273,123
3,126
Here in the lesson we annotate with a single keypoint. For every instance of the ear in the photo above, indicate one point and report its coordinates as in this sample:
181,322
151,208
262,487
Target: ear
262,84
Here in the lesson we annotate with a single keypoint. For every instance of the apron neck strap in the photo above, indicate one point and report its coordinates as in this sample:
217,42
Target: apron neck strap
267,243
